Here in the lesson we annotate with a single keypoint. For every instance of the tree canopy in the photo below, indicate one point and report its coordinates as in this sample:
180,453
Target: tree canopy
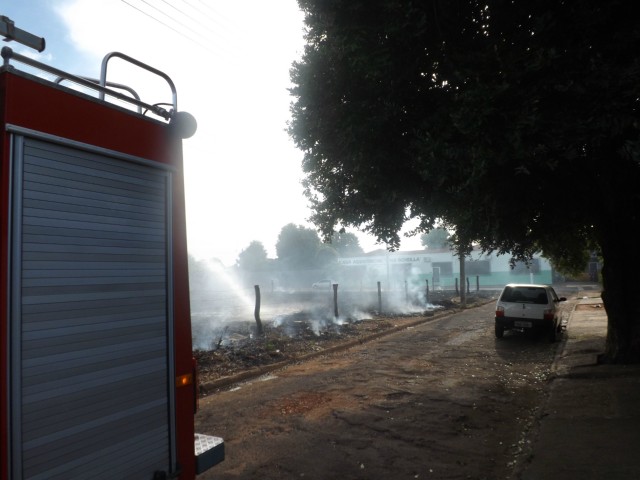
436,238
514,122
297,246
346,244
254,257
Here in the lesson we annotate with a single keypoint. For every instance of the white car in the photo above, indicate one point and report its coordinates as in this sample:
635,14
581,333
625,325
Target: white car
529,307
323,285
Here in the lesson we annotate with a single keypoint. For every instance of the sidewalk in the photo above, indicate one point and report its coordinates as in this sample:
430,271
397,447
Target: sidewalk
590,426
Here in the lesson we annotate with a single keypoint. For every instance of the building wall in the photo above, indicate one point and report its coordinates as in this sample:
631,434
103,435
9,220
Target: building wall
441,269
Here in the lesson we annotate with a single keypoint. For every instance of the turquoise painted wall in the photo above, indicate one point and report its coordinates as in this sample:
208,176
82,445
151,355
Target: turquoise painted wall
415,268
496,279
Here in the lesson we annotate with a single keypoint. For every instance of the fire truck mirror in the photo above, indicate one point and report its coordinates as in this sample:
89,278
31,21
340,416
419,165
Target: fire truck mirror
184,124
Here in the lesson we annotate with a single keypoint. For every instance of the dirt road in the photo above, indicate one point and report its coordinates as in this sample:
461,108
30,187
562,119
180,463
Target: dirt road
442,400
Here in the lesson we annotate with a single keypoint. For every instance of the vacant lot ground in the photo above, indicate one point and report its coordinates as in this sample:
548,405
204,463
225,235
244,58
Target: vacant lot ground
439,399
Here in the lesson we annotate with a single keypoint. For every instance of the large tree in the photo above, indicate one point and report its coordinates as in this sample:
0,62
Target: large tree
513,122
297,247
436,238
346,244
253,258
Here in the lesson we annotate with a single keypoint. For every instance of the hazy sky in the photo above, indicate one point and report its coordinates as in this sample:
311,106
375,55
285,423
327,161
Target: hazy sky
229,61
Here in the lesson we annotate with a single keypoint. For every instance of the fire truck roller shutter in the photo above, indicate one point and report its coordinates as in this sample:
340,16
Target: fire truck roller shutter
90,314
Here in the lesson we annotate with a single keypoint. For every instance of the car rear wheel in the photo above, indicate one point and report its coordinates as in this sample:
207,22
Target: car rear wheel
499,331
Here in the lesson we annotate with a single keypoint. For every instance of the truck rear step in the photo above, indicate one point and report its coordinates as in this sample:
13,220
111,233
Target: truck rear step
209,451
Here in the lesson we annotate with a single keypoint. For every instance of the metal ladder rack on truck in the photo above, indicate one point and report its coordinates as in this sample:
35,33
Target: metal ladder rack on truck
97,374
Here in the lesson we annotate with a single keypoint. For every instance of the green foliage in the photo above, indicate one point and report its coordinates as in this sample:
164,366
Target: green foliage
198,272
436,238
517,123
203,274
253,258
491,116
572,262
346,244
297,246
326,255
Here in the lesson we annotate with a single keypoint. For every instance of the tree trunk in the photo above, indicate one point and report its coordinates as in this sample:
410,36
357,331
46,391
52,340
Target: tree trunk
256,311
620,300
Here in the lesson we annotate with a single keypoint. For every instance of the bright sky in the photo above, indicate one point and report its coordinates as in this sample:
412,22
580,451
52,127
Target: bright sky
229,61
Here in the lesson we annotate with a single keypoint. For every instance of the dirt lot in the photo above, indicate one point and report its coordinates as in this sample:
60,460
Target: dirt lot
295,338
439,398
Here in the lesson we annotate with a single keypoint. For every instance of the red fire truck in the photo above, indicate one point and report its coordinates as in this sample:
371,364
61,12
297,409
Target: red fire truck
97,378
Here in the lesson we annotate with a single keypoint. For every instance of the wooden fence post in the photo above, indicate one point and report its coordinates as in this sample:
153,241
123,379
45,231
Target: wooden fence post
256,312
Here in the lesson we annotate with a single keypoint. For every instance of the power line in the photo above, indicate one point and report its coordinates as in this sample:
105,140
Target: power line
155,19
171,17
206,6
199,12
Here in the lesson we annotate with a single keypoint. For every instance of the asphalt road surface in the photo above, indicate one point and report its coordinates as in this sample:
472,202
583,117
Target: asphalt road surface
443,400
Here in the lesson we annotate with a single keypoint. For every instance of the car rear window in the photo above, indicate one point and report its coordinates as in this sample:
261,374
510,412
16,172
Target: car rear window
525,294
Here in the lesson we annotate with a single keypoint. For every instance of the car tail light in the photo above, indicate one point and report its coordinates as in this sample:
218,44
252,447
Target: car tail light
500,311
548,314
